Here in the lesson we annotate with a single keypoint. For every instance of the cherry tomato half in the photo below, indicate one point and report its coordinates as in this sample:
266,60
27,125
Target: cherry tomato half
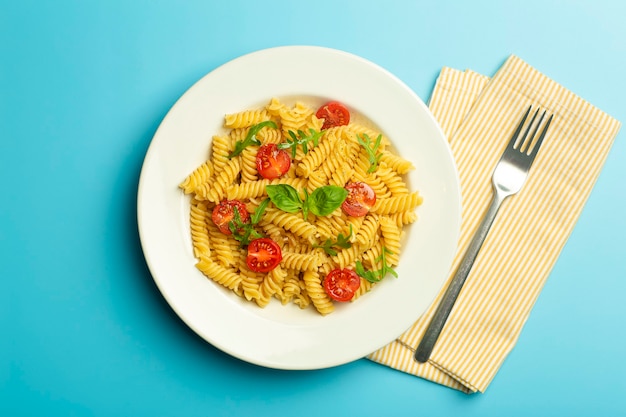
272,162
341,284
263,255
224,213
361,198
334,114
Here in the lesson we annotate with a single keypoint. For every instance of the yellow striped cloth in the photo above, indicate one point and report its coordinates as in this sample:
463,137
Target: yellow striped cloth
478,115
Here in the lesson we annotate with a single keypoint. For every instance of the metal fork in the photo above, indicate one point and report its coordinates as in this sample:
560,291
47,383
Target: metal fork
508,178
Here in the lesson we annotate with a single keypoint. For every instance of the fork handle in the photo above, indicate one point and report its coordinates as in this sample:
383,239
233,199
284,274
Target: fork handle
425,348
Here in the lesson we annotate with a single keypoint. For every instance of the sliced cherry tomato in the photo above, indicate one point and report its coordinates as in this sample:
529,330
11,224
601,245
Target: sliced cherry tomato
272,162
341,284
361,198
224,213
263,255
334,114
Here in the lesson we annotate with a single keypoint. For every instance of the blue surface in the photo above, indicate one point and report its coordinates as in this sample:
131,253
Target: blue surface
83,87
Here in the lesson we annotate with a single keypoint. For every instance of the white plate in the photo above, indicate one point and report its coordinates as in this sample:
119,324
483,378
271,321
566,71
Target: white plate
284,336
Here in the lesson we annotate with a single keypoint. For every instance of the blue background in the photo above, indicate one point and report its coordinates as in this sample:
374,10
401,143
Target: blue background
83,87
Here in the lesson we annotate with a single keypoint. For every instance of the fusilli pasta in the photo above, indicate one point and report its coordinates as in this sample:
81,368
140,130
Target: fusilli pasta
306,243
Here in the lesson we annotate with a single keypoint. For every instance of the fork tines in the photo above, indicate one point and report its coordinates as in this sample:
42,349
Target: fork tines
527,143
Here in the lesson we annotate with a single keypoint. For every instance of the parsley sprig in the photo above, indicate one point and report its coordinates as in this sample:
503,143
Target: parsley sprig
342,242
302,139
372,149
244,233
378,275
251,139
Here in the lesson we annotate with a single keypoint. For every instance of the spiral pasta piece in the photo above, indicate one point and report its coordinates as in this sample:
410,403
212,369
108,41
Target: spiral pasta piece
250,281
291,287
333,224
321,301
238,134
315,157
223,248
391,239
215,191
354,224
199,216
341,175
245,118
397,204
302,299
300,261
369,229
316,179
346,257
220,149
275,106
274,232
371,179
337,158
404,217
297,246
249,172
335,161
360,130
219,274
326,264
268,135
198,177
312,122
364,288
294,119
396,162
290,221
258,188
371,257
392,180
273,283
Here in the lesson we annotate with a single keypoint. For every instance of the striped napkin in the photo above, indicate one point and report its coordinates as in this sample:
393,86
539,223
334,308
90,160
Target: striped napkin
478,115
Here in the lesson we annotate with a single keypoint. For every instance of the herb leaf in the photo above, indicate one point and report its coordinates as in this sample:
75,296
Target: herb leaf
305,205
341,242
344,241
285,197
372,150
377,276
251,137
324,200
321,202
256,216
371,276
244,233
302,139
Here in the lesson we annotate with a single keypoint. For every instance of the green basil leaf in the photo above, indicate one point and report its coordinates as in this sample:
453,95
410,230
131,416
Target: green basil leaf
326,199
285,197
